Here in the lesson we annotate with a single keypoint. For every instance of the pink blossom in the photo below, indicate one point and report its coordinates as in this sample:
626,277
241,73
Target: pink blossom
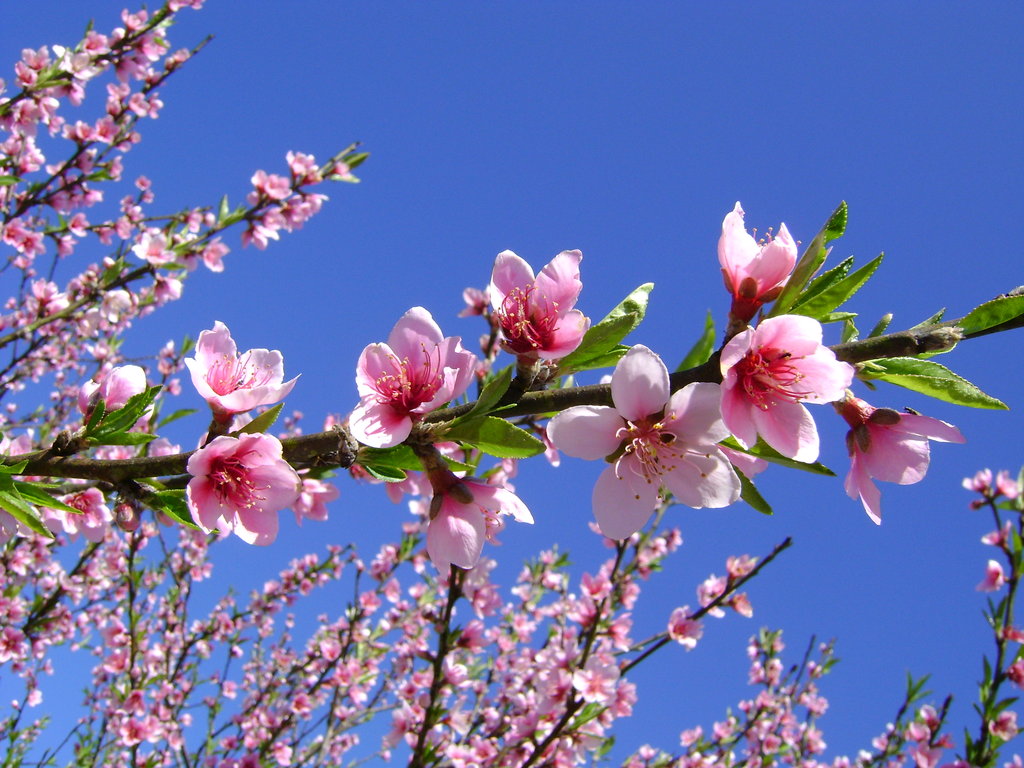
994,578
92,522
536,314
231,384
655,441
313,499
768,372
683,629
152,247
1004,726
754,272
597,680
239,484
887,445
415,372
457,528
118,385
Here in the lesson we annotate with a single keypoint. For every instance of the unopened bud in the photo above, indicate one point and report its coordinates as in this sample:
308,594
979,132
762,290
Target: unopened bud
126,516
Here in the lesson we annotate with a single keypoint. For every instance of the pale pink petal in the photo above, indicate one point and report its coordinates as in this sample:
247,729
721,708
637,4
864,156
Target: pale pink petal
377,425
826,378
571,329
735,351
559,282
788,428
894,457
509,272
926,426
749,465
500,500
414,332
796,334
736,248
858,483
777,259
122,383
256,526
375,361
694,414
738,414
701,481
456,536
586,431
623,502
214,345
640,384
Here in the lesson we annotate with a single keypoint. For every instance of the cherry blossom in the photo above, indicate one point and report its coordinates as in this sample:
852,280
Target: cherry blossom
466,515
887,445
754,273
655,441
994,579
239,484
415,372
231,384
768,372
118,385
535,314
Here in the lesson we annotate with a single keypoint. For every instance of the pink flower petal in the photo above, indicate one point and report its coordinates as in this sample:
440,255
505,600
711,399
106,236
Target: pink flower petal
640,384
623,500
509,272
456,536
858,484
415,329
559,282
704,481
694,414
789,429
586,431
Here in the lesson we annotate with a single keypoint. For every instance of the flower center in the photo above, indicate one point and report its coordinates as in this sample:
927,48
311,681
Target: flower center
528,321
229,375
234,484
409,386
656,450
768,376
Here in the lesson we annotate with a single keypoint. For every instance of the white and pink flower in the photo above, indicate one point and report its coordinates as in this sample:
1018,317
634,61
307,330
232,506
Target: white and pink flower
118,385
654,439
239,484
231,384
887,445
457,529
768,372
536,314
415,372
754,272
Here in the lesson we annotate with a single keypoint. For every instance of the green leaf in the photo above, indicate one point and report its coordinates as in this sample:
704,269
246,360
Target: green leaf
354,161
263,422
179,414
123,419
881,325
398,457
701,351
11,501
13,469
35,494
223,209
492,394
811,260
937,317
496,437
836,294
387,474
172,503
603,337
764,451
753,497
126,438
826,280
6,181
850,330
991,314
930,378
836,317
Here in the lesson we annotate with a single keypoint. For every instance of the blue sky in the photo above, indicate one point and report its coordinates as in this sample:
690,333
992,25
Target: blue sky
628,131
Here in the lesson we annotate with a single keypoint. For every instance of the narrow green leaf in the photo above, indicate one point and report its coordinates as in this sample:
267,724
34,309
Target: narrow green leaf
825,280
836,317
937,317
124,418
6,181
491,394
701,351
263,422
13,469
992,313
850,330
223,209
837,294
354,161
753,497
930,378
172,503
881,325
398,457
22,512
764,451
604,360
124,438
387,474
497,437
605,335
178,414
811,260
35,494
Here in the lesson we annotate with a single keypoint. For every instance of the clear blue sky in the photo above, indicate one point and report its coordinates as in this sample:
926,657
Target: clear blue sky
628,130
